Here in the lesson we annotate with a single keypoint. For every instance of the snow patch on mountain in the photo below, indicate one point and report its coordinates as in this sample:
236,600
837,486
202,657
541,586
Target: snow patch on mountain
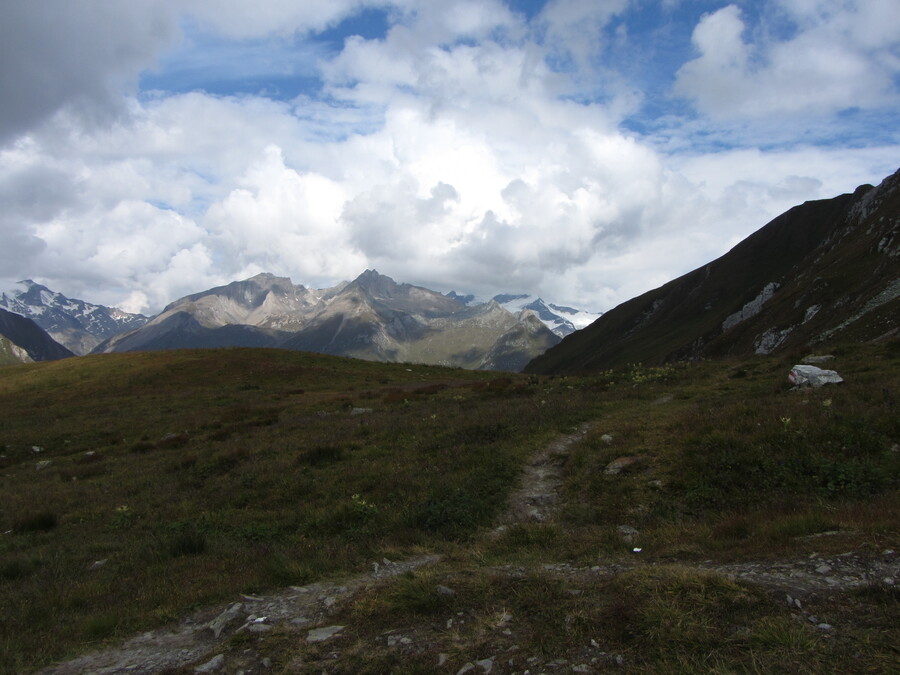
560,319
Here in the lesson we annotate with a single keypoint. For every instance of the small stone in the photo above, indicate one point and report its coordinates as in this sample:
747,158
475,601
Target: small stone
97,564
36,448
442,659
487,665
581,668
824,626
467,668
43,464
324,633
212,665
230,615
445,590
627,533
266,662
360,411
606,438
823,569
259,628
616,466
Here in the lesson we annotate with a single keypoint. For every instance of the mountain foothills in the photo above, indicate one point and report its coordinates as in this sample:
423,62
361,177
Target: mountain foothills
827,270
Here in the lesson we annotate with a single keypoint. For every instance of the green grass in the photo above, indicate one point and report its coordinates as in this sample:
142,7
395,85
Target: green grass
197,475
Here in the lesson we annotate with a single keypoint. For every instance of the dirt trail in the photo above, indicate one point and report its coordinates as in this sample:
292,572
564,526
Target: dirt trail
537,498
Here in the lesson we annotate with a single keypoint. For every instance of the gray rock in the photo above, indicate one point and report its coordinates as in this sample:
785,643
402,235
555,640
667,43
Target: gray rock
606,438
360,411
43,464
221,622
467,668
212,665
324,633
627,533
487,665
810,376
445,590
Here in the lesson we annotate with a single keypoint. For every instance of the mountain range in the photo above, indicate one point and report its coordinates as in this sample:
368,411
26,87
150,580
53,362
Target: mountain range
372,317
823,272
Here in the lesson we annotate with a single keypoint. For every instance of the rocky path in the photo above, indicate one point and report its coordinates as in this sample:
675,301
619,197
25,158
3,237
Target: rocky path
199,635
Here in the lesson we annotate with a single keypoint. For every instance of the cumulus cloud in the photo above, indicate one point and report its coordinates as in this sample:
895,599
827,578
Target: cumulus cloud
466,147
828,65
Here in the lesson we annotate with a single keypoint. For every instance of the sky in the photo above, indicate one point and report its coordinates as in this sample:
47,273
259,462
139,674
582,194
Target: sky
582,150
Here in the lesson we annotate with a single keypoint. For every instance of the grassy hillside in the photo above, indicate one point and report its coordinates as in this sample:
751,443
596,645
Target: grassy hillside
135,488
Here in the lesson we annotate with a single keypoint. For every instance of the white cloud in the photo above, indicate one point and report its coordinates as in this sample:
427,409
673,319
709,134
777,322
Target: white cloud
827,66
453,152
282,221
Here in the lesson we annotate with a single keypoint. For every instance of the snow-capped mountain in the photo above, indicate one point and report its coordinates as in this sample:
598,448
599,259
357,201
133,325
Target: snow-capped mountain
76,324
560,319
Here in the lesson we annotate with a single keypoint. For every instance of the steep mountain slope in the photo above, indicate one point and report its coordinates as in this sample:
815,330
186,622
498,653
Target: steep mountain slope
824,270
78,325
23,341
372,317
